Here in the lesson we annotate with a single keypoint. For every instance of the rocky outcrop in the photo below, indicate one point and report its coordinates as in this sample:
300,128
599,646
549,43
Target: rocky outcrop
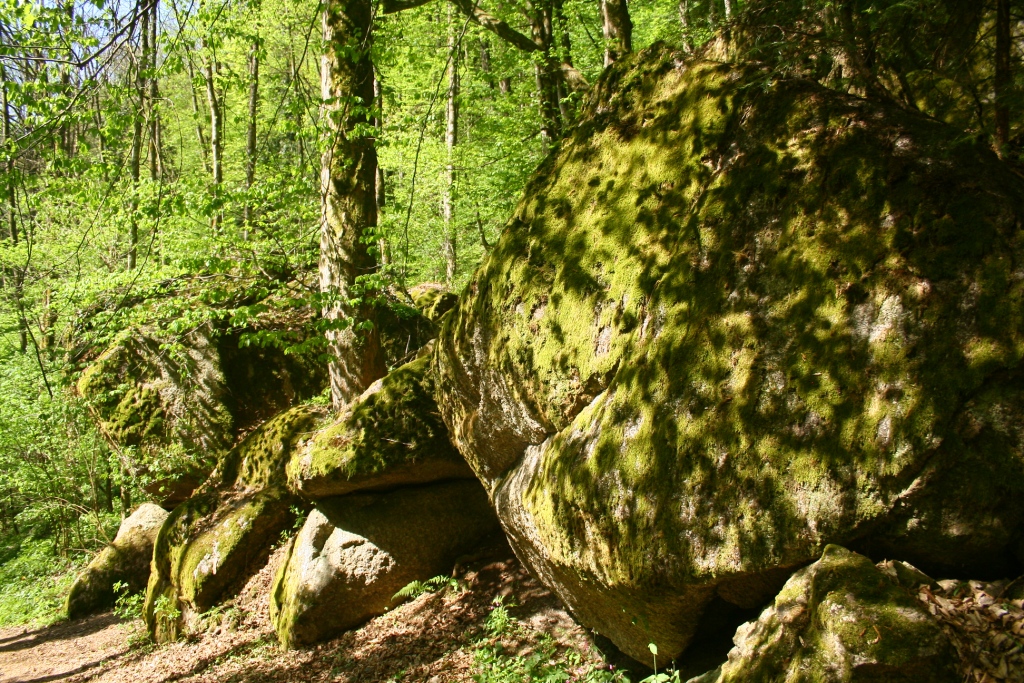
731,323
391,436
837,621
214,541
355,552
179,402
126,560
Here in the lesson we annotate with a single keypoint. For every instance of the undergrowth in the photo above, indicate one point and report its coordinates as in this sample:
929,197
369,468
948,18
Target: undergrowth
500,657
34,581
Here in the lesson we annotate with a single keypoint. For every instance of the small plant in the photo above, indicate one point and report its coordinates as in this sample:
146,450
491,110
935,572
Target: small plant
499,621
663,677
415,589
165,612
127,605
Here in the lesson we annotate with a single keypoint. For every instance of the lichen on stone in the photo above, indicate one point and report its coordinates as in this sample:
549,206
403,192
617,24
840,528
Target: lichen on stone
742,319
216,539
841,620
391,435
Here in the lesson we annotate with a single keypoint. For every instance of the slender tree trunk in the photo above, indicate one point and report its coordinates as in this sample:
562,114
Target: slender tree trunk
12,274
250,138
728,9
216,133
155,157
12,202
546,70
618,30
1003,77
684,23
135,159
200,136
380,189
485,63
348,178
100,137
565,108
448,245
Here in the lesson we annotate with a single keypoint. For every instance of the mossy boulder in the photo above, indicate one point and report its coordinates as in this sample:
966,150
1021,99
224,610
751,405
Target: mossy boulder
158,402
355,552
433,300
735,319
181,402
126,560
210,545
840,620
391,436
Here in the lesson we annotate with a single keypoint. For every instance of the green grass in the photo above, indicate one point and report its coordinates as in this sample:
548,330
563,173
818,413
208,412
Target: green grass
34,582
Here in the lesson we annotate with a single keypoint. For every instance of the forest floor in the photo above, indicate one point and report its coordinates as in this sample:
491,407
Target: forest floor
498,624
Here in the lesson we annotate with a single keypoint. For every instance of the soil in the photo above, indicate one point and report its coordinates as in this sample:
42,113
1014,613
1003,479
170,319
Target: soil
431,638
437,637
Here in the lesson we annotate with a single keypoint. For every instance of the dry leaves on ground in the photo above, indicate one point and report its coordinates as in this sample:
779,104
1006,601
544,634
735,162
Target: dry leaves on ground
985,625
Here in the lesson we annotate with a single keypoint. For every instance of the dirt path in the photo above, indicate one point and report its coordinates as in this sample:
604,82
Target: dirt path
58,652
432,639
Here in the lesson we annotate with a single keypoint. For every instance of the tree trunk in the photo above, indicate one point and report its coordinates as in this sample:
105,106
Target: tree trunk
12,275
448,244
250,137
1003,76
348,195
684,23
135,159
618,30
728,9
12,204
380,189
155,159
200,136
216,133
546,70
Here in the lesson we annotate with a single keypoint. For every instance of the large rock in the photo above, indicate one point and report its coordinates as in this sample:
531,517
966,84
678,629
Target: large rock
126,560
391,436
213,542
179,402
840,620
355,552
732,321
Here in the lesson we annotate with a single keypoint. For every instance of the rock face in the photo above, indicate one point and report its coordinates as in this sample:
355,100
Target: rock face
214,541
730,324
837,621
125,560
355,552
182,410
391,436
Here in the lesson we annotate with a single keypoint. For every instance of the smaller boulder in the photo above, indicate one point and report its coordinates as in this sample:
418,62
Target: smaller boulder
126,560
433,300
354,553
390,436
219,537
841,620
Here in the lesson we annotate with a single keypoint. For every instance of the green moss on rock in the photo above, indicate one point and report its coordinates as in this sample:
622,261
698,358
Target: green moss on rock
125,560
734,321
841,620
391,436
214,541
